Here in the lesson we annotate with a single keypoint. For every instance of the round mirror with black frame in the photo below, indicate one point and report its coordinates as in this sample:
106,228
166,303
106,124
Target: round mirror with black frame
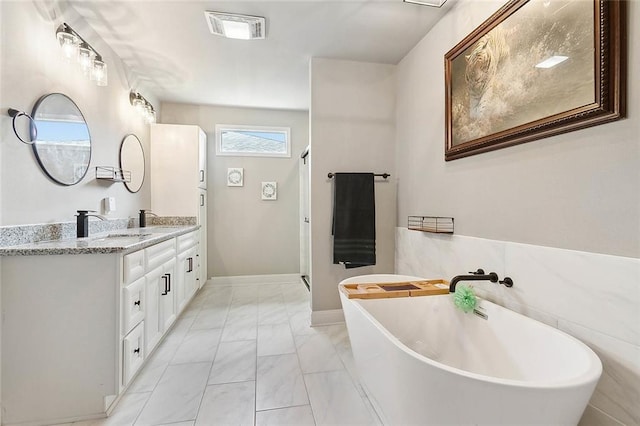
62,143
132,160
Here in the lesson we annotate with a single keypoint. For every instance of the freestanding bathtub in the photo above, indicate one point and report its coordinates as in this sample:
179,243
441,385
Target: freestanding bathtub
423,362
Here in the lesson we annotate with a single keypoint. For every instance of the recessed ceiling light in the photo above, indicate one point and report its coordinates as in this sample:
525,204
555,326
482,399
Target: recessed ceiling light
235,26
432,3
552,61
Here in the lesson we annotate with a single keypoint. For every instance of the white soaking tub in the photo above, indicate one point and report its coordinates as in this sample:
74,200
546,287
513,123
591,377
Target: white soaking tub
424,362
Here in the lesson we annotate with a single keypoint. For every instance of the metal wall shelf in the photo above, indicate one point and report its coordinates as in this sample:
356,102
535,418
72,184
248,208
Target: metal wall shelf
112,174
434,224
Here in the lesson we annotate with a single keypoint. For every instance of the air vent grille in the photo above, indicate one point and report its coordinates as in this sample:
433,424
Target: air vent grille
235,26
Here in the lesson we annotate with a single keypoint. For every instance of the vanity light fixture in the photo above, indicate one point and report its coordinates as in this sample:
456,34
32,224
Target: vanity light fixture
75,47
432,3
143,106
231,25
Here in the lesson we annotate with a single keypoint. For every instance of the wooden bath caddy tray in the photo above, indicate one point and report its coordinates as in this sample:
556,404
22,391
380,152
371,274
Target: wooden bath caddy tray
400,289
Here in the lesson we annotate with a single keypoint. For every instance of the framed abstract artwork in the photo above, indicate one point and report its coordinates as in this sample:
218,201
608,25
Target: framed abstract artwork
535,68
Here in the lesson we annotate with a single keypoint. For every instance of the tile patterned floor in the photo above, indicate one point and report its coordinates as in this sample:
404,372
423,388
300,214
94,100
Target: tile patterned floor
246,355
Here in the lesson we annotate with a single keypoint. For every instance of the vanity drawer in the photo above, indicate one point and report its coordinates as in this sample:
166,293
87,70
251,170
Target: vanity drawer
160,253
133,353
187,241
133,304
133,266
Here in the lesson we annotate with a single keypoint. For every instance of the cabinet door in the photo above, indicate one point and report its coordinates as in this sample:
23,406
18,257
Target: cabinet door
182,268
190,280
155,286
202,159
167,296
133,353
133,304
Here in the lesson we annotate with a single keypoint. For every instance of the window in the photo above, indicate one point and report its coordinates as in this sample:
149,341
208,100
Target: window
252,141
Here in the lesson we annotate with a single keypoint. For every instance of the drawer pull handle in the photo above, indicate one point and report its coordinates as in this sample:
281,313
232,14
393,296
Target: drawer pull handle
190,268
166,290
201,200
201,175
137,303
168,281
136,351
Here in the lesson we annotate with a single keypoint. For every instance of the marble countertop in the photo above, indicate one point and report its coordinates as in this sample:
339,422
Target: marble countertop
116,241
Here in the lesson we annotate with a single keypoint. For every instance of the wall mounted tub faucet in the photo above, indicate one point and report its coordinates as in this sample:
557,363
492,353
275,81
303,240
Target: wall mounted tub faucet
479,275
82,222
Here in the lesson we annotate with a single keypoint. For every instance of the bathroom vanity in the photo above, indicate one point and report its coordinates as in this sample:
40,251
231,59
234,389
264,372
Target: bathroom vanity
81,316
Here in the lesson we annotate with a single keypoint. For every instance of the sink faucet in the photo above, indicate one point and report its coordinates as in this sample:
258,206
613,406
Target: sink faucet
143,217
82,223
478,275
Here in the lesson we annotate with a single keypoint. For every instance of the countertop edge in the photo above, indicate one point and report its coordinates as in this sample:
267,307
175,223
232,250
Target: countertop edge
33,249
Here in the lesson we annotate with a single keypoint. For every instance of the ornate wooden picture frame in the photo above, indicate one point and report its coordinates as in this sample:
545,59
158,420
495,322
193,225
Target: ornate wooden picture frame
535,68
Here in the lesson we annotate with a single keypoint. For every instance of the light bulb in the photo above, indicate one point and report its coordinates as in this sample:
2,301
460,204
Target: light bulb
85,58
68,42
99,71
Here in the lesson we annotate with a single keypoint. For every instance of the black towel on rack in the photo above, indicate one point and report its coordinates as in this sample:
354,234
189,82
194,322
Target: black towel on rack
354,220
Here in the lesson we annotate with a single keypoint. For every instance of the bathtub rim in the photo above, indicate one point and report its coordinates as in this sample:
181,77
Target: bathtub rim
592,373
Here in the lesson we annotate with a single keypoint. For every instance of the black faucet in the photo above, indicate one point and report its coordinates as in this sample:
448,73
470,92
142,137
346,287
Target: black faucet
143,217
478,275
82,222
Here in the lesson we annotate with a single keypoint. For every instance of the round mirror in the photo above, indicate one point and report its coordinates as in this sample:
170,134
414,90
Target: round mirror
62,143
132,161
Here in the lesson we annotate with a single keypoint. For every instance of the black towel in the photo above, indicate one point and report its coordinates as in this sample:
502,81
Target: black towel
354,220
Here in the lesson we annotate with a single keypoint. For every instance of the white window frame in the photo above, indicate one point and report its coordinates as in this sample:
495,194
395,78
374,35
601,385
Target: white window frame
226,127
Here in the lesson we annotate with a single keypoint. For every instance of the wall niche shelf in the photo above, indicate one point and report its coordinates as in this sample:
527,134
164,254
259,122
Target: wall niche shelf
434,224
112,174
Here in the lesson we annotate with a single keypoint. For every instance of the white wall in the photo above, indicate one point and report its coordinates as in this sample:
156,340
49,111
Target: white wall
32,65
249,236
352,130
580,190
577,191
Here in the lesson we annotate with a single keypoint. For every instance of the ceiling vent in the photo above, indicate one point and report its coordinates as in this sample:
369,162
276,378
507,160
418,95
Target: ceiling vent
230,25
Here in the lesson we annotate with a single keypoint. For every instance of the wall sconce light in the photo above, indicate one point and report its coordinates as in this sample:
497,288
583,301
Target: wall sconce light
143,106
75,47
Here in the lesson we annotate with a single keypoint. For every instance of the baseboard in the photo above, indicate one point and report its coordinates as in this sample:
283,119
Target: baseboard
256,279
328,317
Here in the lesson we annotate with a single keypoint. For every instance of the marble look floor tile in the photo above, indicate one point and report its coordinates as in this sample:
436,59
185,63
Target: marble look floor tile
235,362
275,340
279,382
335,400
317,353
272,313
198,346
177,396
125,413
594,417
236,332
210,318
228,404
300,323
292,416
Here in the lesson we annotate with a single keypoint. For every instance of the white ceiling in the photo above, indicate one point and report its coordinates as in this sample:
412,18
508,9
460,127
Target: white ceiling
168,47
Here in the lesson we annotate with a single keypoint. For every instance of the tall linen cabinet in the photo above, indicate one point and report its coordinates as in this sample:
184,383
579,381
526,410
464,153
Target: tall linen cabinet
179,179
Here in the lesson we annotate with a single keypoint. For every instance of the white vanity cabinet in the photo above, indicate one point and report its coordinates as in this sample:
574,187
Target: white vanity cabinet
187,269
178,163
78,327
